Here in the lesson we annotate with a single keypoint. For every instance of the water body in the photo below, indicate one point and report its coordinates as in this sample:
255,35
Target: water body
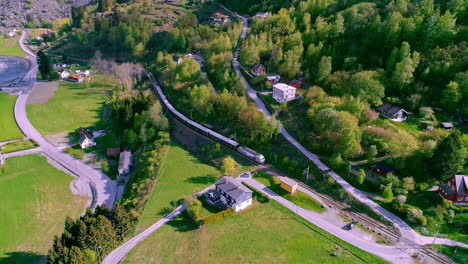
12,68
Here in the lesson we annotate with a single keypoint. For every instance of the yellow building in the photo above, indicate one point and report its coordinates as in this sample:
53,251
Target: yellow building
289,184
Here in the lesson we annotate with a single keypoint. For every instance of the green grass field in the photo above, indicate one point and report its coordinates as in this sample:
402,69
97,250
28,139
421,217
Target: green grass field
299,198
8,128
181,175
10,46
265,233
18,146
36,198
71,107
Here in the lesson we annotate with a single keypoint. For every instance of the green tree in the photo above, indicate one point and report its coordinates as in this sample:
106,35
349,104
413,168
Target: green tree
449,157
361,176
228,166
324,69
44,65
451,96
106,5
387,193
367,86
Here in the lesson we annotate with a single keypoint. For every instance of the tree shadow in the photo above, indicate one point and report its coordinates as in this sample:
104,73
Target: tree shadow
183,223
21,257
207,179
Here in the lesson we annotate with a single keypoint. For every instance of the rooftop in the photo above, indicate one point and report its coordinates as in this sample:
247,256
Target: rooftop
232,187
389,109
289,181
283,87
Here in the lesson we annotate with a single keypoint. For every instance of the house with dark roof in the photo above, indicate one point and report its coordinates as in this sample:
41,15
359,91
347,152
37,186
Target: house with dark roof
86,138
233,193
382,169
446,125
455,190
393,112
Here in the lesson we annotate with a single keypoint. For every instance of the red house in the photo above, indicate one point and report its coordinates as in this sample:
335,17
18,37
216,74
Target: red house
258,69
456,190
296,84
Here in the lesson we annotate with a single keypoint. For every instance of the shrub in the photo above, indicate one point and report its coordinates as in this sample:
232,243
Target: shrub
217,217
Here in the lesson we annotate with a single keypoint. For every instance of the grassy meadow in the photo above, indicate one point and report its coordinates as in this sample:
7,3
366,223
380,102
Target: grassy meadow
264,233
181,175
18,146
8,128
72,106
36,199
10,46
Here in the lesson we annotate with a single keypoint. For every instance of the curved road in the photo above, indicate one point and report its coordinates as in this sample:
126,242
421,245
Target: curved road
102,187
406,231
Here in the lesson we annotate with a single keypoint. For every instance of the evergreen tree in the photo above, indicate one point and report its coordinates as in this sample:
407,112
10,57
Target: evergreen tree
449,157
44,65
451,96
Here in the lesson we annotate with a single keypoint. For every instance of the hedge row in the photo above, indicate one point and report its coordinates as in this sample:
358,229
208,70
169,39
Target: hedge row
216,217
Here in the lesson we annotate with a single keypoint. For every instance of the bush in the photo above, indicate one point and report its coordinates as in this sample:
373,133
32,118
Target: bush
217,217
257,195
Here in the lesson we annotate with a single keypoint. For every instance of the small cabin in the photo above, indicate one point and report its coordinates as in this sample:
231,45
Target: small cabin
289,184
392,112
258,69
446,125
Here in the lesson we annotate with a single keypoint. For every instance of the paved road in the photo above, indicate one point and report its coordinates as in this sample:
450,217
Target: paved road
104,188
21,153
117,255
405,229
390,253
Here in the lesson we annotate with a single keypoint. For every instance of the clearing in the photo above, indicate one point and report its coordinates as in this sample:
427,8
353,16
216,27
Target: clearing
265,233
8,128
72,106
36,199
10,46
181,175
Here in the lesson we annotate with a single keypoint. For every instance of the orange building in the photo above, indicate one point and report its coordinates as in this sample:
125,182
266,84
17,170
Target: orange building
289,184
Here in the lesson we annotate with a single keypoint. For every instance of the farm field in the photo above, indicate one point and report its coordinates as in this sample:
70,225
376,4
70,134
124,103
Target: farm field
181,175
36,199
72,106
265,233
8,128
10,46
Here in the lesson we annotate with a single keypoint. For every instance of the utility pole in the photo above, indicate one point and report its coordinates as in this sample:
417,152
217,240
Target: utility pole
233,136
306,173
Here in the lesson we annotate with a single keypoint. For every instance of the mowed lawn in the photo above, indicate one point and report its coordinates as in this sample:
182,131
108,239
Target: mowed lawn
36,198
264,233
8,128
181,175
10,46
72,106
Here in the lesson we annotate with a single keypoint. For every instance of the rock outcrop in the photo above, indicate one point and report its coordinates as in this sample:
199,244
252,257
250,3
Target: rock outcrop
17,13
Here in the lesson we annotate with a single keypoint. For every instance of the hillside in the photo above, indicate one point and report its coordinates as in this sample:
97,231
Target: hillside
14,13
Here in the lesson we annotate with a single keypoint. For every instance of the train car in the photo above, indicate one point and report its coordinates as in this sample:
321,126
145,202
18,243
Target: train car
251,154
220,138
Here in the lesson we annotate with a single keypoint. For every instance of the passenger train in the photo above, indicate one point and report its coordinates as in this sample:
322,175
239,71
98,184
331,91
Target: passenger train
245,151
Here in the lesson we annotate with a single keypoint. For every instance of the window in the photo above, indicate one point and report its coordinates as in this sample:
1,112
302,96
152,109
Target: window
466,199
460,199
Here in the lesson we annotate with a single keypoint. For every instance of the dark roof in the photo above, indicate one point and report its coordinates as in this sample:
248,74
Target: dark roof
446,189
84,132
232,187
389,109
383,167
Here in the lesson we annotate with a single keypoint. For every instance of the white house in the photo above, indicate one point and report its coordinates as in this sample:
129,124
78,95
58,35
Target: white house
86,138
233,193
283,92
393,112
64,75
125,162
